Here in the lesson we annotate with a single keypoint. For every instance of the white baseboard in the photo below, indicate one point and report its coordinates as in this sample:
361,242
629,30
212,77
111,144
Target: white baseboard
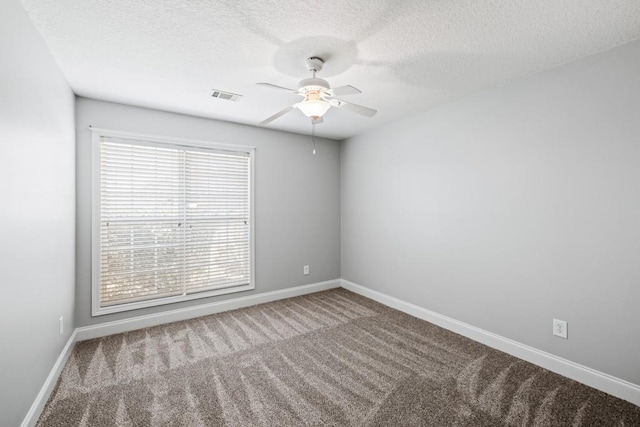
583,374
139,322
32,416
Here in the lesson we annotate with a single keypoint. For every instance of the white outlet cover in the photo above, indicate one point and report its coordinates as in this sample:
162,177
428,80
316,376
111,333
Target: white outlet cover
560,328
306,269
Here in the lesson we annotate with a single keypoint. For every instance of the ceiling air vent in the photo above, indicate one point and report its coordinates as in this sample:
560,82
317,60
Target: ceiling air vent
226,95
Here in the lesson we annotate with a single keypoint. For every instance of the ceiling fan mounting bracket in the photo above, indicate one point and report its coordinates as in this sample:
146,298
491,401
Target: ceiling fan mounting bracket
314,64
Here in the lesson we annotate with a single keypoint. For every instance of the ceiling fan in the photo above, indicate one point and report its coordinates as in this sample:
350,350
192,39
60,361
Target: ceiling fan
318,96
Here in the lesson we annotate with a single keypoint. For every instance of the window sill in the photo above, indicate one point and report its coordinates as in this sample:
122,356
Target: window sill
100,311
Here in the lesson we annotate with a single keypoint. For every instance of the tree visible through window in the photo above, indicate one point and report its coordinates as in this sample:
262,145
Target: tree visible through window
171,222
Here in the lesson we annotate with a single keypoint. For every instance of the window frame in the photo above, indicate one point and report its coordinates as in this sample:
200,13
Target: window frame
159,141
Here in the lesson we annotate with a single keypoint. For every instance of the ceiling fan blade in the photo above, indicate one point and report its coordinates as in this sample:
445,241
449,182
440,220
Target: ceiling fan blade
276,116
277,87
358,109
344,90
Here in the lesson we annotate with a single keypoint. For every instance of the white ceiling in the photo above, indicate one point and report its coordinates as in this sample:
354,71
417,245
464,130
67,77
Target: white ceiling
406,56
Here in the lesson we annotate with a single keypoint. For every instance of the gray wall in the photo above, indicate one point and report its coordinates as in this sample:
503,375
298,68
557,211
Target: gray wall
297,198
37,152
511,207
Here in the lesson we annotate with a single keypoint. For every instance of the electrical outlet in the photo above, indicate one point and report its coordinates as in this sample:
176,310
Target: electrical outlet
61,320
560,328
305,270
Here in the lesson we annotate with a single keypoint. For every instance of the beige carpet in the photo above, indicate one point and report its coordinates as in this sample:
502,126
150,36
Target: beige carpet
327,359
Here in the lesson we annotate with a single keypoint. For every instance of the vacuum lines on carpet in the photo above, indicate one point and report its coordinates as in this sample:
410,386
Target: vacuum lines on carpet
332,358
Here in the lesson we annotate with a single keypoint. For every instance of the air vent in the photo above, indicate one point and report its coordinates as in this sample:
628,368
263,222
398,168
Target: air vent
226,95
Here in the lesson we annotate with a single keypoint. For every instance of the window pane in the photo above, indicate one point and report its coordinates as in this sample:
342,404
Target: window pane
173,221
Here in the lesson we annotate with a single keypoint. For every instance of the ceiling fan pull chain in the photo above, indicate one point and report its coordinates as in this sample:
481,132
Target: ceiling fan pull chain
313,135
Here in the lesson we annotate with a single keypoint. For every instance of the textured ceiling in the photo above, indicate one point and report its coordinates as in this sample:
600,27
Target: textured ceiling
405,56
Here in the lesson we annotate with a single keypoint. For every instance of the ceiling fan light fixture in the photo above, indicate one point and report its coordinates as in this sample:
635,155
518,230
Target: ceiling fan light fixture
313,105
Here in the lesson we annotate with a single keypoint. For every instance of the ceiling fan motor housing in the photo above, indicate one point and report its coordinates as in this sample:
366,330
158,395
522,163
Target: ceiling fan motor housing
313,84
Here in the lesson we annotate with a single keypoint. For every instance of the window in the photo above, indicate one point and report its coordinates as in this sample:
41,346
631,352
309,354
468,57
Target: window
172,220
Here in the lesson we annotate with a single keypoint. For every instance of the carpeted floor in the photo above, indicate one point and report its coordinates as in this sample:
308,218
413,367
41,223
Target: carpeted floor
328,359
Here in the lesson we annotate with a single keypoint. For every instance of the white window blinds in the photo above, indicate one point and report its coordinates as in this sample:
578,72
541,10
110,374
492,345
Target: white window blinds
174,222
